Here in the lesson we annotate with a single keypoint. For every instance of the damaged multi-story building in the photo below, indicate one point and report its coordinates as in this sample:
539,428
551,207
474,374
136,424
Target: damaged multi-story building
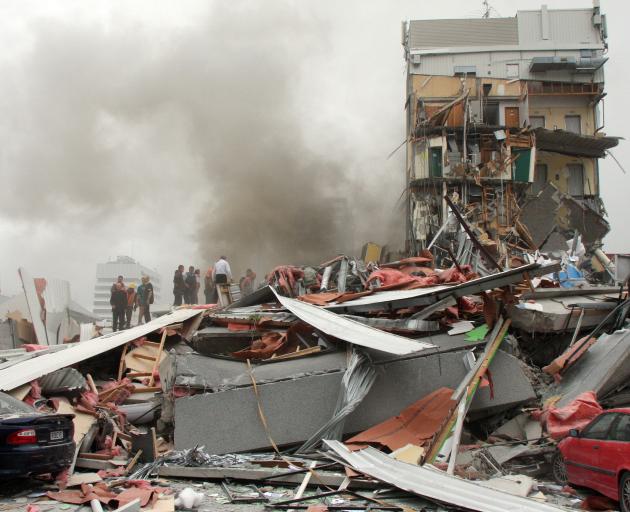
505,119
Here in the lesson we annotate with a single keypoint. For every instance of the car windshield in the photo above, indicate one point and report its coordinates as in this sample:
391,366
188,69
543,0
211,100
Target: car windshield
10,405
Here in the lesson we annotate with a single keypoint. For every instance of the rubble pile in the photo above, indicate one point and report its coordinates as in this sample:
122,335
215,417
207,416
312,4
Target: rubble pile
432,376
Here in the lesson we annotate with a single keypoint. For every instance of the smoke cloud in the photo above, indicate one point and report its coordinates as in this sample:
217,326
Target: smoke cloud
204,127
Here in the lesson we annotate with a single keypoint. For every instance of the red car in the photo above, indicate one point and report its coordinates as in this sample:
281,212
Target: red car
598,457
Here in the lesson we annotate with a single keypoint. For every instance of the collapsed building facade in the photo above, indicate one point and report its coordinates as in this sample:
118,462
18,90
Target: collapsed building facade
505,117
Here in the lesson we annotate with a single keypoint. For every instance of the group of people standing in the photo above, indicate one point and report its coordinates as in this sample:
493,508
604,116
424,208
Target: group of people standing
186,286
126,299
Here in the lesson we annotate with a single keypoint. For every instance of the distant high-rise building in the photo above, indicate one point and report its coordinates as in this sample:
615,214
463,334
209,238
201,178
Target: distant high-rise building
106,275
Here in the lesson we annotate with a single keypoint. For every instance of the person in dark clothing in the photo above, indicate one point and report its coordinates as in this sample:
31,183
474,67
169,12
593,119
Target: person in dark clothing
191,286
209,289
118,302
131,304
144,300
119,280
179,286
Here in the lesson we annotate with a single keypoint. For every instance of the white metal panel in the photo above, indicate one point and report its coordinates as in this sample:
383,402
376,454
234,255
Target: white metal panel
351,331
56,301
26,371
34,306
434,484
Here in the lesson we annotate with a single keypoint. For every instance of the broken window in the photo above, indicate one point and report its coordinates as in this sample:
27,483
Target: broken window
491,114
465,70
573,124
576,180
537,121
511,70
540,179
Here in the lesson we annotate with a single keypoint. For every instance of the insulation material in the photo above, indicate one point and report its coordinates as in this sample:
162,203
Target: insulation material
579,413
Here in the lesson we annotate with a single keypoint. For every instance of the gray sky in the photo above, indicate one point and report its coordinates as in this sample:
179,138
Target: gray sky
174,132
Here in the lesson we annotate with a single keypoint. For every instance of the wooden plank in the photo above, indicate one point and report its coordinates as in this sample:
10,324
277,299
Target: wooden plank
95,456
90,382
152,389
121,364
93,464
157,359
293,355
133,462
142,356
307,478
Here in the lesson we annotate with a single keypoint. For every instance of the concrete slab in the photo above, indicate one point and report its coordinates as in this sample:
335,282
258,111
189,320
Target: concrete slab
216,374
604,367
228,421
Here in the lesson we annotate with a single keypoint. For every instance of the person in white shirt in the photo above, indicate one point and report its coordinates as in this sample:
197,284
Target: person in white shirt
222,274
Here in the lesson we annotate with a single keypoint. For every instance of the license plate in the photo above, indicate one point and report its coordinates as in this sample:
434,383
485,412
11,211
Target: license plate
56,435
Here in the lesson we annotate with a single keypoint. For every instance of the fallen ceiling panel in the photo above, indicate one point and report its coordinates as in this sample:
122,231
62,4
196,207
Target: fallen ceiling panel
351,331
26,371
434,484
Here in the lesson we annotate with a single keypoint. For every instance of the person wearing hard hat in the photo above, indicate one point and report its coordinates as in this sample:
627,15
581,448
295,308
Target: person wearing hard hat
131,303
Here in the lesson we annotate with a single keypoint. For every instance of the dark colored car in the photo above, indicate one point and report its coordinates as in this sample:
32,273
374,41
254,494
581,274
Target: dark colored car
33,443
598,457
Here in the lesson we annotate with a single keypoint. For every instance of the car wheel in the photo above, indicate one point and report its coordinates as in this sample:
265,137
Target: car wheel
624,493
559,469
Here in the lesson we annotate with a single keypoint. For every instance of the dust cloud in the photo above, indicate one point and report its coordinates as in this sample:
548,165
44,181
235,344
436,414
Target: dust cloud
201,126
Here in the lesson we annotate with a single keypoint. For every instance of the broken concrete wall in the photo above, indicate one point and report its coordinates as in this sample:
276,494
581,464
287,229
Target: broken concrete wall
196,371
603,368
228,421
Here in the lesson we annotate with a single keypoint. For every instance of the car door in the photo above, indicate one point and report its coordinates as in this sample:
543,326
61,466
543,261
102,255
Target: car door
613,454
582,459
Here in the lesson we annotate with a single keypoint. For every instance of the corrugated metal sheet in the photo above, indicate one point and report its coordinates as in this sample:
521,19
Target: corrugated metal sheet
350,331
26,371
435,484
462,32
